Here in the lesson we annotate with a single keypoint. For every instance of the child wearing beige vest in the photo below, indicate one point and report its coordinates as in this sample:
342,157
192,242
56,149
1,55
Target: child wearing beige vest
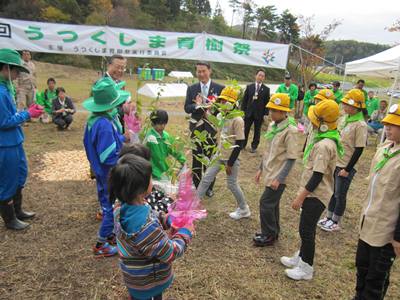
379,241
316,186
279,158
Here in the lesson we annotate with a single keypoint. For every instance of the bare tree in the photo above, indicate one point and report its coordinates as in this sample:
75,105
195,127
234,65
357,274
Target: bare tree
395,27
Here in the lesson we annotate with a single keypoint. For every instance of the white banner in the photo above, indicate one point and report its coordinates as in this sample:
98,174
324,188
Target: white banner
106,41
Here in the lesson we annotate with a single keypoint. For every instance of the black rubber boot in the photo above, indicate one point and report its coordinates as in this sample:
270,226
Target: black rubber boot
8,214
22,215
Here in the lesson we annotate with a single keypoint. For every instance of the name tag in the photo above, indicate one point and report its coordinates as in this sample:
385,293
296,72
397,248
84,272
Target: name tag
255,97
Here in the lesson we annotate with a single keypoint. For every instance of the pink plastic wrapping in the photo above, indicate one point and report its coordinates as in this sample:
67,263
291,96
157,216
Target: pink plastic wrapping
134,126
187,208
35,111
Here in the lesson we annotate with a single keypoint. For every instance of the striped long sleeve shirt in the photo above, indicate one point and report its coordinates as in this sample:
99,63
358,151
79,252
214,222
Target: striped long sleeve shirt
145,249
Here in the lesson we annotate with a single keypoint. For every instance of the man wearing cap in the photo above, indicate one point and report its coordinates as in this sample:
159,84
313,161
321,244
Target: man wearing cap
316,185
287,87
198,97
337,91
233,132
103,141
13,165
26,82
379,241
278,159
253,104
353,134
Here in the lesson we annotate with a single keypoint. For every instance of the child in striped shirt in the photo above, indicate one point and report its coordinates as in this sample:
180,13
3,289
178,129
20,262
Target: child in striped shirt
146,250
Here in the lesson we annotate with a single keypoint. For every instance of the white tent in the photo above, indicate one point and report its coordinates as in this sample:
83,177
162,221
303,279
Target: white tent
179,74
383,64
163,90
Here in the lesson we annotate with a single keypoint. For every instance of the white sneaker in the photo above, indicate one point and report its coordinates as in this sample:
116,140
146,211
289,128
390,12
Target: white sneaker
330,226
322,222
240,213
303,271
291,262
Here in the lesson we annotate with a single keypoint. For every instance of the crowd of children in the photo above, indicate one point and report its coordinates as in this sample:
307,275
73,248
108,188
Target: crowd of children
142,234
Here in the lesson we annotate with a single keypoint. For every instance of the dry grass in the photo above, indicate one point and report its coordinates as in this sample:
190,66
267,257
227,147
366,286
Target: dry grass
53,259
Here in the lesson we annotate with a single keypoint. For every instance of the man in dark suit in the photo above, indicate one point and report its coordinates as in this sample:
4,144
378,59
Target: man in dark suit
196,97
255,98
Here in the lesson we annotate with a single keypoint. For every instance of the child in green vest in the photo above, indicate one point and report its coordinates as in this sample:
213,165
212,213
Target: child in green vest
161,147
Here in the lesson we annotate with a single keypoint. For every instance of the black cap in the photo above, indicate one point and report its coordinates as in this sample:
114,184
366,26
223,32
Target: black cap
287,76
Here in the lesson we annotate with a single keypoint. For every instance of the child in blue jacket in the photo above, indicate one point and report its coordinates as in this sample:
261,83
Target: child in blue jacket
103,141
13,165
145,247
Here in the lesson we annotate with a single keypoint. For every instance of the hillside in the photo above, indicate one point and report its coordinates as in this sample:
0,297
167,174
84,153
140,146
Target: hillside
349,50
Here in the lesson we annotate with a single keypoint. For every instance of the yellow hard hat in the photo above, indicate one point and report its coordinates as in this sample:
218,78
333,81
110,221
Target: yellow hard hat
355,98
324,115
279,101
230,94
393,116
325,94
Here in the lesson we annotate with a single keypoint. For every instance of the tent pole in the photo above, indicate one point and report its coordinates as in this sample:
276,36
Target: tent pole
343,80
396,78
317,56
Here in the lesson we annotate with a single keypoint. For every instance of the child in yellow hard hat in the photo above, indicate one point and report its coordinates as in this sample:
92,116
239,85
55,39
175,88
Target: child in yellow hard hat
234,133
322,95
279,158
379,241
316,185
353,134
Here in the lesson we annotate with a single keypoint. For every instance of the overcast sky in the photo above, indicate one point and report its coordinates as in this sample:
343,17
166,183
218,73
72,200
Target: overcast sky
361,20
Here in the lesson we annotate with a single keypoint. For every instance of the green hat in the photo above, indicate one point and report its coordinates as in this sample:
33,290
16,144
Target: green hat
106,96
12,58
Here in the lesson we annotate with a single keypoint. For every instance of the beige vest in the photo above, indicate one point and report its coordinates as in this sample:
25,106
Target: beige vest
381,207
354,135
284,146
322,159
232,131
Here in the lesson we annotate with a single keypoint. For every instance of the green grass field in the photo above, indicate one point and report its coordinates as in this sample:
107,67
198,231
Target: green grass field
370,82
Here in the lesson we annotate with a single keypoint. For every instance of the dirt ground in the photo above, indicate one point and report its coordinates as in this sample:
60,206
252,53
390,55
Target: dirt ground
53,259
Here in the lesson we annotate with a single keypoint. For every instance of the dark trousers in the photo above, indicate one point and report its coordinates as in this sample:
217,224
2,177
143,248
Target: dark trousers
337,205
373,270
197,167
63,121
311,212
248,121
269,211
158,297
